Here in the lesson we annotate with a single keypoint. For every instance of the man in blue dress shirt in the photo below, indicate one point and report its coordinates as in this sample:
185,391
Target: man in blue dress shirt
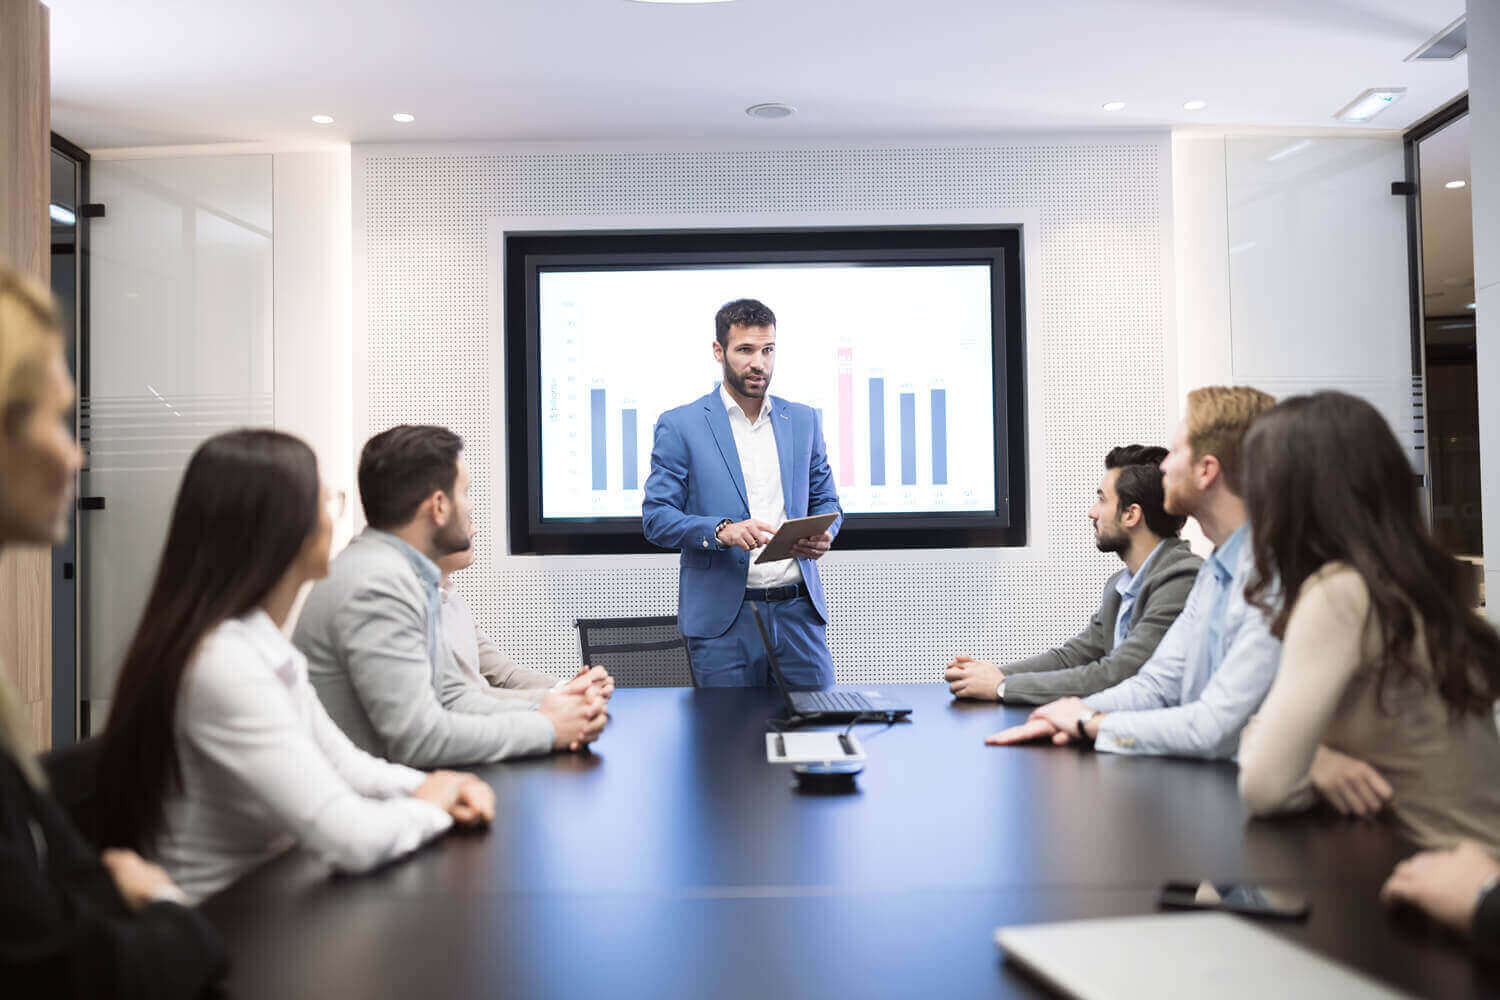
726,471
1216,663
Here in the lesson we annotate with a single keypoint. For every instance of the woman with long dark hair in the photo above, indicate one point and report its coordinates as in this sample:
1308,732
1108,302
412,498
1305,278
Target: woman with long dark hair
1386,690
218,754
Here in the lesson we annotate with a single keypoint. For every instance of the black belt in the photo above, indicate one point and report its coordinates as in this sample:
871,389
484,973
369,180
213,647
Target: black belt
786,593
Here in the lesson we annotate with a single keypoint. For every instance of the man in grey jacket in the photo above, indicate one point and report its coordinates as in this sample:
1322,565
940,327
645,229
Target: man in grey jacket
372,632
1139,604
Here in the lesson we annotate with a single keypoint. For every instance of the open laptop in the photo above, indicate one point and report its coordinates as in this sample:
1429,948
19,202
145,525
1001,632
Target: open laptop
1179,957
828,706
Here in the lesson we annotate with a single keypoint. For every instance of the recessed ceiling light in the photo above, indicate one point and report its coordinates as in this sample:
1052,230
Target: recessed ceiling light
770,110
1370,103
1449,43
403,117
1113,105
1455,185
323,119
1194,105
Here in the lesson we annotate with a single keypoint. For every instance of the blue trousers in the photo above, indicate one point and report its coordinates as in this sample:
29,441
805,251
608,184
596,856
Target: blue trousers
738,657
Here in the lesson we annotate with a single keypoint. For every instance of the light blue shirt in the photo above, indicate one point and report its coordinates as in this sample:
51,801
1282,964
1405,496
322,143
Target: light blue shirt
1223,562
1208,675
1128,586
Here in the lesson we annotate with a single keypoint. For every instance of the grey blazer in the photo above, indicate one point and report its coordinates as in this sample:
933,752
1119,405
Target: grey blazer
376,659
1086,664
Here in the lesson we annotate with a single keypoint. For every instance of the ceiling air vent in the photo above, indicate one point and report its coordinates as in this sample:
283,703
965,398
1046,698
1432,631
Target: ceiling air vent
1444,45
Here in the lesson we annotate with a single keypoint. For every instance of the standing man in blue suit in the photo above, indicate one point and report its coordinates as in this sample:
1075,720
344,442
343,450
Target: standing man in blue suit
726,471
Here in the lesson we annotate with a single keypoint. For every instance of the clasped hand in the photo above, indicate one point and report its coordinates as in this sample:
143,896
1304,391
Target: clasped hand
463,796
971,678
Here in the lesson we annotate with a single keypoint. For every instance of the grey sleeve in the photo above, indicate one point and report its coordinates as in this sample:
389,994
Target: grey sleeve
385,646
458,694
1158,611
1085,647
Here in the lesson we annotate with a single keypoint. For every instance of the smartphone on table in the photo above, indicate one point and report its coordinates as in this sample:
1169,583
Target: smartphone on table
1234,897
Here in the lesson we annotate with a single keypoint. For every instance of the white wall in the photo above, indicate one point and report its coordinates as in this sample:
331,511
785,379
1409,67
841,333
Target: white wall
1290,268
384,308
428,344
1484,167
313,344
1318,273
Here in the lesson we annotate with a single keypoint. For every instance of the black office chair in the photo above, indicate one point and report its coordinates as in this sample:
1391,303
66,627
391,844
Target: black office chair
72,771
638,652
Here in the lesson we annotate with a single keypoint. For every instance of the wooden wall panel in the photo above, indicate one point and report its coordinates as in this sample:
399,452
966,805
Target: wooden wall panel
25,143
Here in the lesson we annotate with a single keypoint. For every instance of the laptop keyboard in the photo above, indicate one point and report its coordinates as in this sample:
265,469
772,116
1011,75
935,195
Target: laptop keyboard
839,701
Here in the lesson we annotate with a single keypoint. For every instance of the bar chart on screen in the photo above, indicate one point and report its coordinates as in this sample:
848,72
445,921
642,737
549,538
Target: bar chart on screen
896,362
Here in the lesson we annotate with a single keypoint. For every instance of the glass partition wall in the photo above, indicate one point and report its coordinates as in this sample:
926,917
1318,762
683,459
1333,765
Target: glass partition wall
179,349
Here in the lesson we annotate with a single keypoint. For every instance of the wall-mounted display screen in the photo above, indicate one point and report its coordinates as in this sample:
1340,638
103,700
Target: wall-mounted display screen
904,351
894,357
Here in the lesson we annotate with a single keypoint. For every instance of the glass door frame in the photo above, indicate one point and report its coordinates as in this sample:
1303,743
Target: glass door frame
1433,123
70,721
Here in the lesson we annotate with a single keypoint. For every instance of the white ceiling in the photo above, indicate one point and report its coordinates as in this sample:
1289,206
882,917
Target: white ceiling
188,71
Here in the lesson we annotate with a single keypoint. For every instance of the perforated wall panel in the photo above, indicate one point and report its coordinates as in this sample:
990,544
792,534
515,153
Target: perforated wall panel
1097,347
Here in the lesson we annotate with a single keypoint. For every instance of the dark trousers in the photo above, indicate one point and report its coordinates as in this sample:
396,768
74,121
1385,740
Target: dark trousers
738,657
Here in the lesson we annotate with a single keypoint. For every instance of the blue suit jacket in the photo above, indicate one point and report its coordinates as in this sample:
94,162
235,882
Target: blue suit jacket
696,482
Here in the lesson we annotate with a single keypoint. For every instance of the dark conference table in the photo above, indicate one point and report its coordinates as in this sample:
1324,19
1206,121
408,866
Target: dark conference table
675,861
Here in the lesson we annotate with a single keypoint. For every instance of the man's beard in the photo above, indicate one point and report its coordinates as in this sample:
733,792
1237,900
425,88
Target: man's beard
1116,543
452,537
1175,502
737,383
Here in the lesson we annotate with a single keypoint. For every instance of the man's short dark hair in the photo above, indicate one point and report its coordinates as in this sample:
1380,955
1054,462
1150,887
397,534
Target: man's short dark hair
741,312
403,466
1139,482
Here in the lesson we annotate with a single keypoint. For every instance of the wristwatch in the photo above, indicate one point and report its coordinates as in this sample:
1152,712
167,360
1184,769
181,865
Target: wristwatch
1000,690
1084,715
720,527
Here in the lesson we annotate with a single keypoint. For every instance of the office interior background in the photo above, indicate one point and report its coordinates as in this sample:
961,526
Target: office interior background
302,208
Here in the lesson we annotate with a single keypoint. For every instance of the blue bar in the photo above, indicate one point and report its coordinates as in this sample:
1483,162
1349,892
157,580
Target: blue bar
940,437
877,432
632,473
596,437
908,439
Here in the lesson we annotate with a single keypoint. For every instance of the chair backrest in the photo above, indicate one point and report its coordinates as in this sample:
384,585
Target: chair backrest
638,652
72,771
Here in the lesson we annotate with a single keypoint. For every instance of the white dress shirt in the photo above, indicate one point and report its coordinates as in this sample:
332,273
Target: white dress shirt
760,465
265,768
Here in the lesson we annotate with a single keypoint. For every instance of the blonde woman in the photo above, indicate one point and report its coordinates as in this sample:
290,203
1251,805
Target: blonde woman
72,924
